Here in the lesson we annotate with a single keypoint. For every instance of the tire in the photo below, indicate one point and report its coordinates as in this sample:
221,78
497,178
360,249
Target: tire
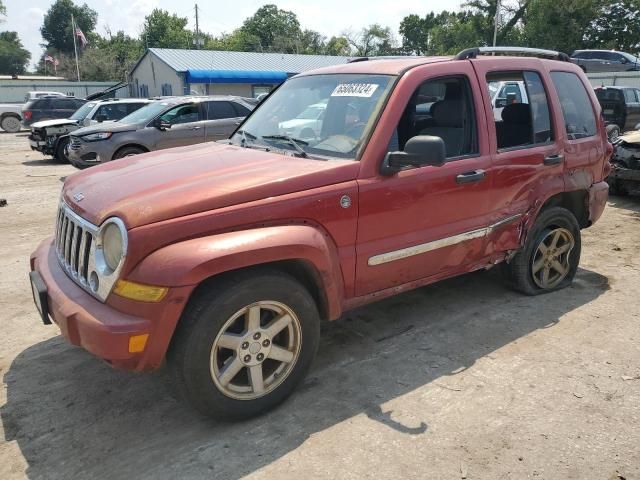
520,271
128,152
198,357
11,124
613,132
61,150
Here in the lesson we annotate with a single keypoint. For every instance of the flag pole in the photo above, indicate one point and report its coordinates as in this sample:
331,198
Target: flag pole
75,47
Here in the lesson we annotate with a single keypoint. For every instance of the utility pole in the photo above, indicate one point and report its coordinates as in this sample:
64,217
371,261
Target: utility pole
495,21
197,42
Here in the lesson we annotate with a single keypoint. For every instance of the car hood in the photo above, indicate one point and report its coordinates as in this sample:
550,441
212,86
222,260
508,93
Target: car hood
54,123
106,127
166,184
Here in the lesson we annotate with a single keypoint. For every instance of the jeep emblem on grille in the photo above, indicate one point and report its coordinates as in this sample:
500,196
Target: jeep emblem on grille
78,197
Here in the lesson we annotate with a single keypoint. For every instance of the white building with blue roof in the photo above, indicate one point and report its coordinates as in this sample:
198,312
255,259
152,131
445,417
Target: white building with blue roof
164,71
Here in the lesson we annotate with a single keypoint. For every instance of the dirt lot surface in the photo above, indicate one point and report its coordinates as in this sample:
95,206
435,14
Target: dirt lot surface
464,379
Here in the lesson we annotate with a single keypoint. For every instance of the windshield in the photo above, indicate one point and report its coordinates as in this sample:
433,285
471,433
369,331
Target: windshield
322,115
609,94
146,113
82,112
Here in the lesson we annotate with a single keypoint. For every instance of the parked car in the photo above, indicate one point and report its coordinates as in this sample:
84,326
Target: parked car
39,94
620,108
625,176
224,258
49,108
51,137
10,117
307,123
169,122
505,93
594,61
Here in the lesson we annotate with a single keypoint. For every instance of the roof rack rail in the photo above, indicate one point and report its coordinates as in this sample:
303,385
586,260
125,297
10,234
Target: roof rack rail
470,53
381,57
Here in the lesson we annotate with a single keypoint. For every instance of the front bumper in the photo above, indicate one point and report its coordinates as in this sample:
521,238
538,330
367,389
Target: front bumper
89,153
104,329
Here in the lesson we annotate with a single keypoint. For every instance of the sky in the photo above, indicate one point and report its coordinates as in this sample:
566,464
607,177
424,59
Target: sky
329,17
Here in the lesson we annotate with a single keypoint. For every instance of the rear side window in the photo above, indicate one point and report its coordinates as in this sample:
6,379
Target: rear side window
241,110
63,104
220,110
579,118
132,107
521,115
630,96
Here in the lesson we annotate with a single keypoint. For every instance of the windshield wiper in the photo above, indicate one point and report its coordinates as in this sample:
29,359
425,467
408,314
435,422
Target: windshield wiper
294,142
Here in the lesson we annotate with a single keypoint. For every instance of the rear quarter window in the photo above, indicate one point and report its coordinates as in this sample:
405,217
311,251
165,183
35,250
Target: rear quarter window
579,117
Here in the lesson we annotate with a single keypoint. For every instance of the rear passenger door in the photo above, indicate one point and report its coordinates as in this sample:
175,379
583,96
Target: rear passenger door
528,160
63,107
221,120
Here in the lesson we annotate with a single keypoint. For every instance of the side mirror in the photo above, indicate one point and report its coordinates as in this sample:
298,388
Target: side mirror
162,124
501,102
101,118
419,151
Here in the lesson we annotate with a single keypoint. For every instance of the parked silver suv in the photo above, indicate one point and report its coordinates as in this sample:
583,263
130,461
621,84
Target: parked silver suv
605,61
165,123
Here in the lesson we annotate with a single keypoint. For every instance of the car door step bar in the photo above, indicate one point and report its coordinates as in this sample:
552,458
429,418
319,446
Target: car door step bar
441,243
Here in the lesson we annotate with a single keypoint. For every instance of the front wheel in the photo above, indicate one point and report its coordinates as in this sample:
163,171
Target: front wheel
243,345
550,257
61,150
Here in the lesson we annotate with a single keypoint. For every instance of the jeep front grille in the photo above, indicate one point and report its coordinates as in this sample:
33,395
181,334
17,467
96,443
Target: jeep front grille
75,238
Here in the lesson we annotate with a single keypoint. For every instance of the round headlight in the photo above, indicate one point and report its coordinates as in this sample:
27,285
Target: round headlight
112,245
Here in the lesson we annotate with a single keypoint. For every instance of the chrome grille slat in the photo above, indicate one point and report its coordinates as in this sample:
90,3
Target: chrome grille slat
74,241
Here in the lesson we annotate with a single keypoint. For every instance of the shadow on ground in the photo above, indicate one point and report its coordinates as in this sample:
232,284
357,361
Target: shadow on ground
42,162
628,202
74,417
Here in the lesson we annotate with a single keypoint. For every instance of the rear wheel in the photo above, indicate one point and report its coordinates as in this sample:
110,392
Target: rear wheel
613,132
243,345
11,124
550,257
128,152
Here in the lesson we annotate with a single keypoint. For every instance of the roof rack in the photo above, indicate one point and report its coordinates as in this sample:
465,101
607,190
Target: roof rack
470,53
381,57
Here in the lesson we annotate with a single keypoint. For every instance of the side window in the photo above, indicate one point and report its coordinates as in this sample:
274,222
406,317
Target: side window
630,95
220,110
132,107
182,114
62,104
241,110
113,112
524,119
579,119
442,108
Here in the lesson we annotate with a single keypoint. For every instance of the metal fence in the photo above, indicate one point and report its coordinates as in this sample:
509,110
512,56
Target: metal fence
14,91
620,79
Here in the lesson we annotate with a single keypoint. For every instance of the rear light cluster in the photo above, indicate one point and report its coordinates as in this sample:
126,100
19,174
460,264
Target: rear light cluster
27,114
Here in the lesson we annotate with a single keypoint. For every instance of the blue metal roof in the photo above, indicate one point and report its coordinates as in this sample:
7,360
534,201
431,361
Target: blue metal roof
235,76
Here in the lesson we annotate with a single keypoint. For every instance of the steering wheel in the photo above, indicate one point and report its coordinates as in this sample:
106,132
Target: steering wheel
337,143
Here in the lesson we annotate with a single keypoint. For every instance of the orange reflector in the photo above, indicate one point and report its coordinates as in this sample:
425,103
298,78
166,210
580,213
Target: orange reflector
137,343
139,291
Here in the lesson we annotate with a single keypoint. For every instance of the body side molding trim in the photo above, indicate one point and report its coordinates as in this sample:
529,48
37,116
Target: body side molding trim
441,243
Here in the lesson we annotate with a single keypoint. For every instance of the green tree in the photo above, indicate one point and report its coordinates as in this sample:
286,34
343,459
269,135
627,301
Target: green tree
372,41
615,26
123,51
275,29
311,42
163,30
558,25
338,46
57,30
14,58
511,14
3,11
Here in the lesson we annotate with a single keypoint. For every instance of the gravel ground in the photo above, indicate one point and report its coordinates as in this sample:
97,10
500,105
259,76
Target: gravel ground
463,379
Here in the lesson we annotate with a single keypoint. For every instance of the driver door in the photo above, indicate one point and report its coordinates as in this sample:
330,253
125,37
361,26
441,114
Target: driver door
187,127
429,221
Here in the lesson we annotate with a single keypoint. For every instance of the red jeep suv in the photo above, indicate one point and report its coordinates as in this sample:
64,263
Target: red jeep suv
347,185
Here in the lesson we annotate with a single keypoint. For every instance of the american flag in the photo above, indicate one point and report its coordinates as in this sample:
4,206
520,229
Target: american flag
56,62
80,35
49,58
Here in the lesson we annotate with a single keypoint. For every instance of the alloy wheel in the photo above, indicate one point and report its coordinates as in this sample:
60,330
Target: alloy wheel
551,260
255,350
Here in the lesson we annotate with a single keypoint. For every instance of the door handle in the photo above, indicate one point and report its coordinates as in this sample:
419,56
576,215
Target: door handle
196,128
471,177
553,160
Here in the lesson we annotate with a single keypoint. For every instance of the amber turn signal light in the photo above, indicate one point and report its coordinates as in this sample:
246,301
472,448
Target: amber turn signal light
139,291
